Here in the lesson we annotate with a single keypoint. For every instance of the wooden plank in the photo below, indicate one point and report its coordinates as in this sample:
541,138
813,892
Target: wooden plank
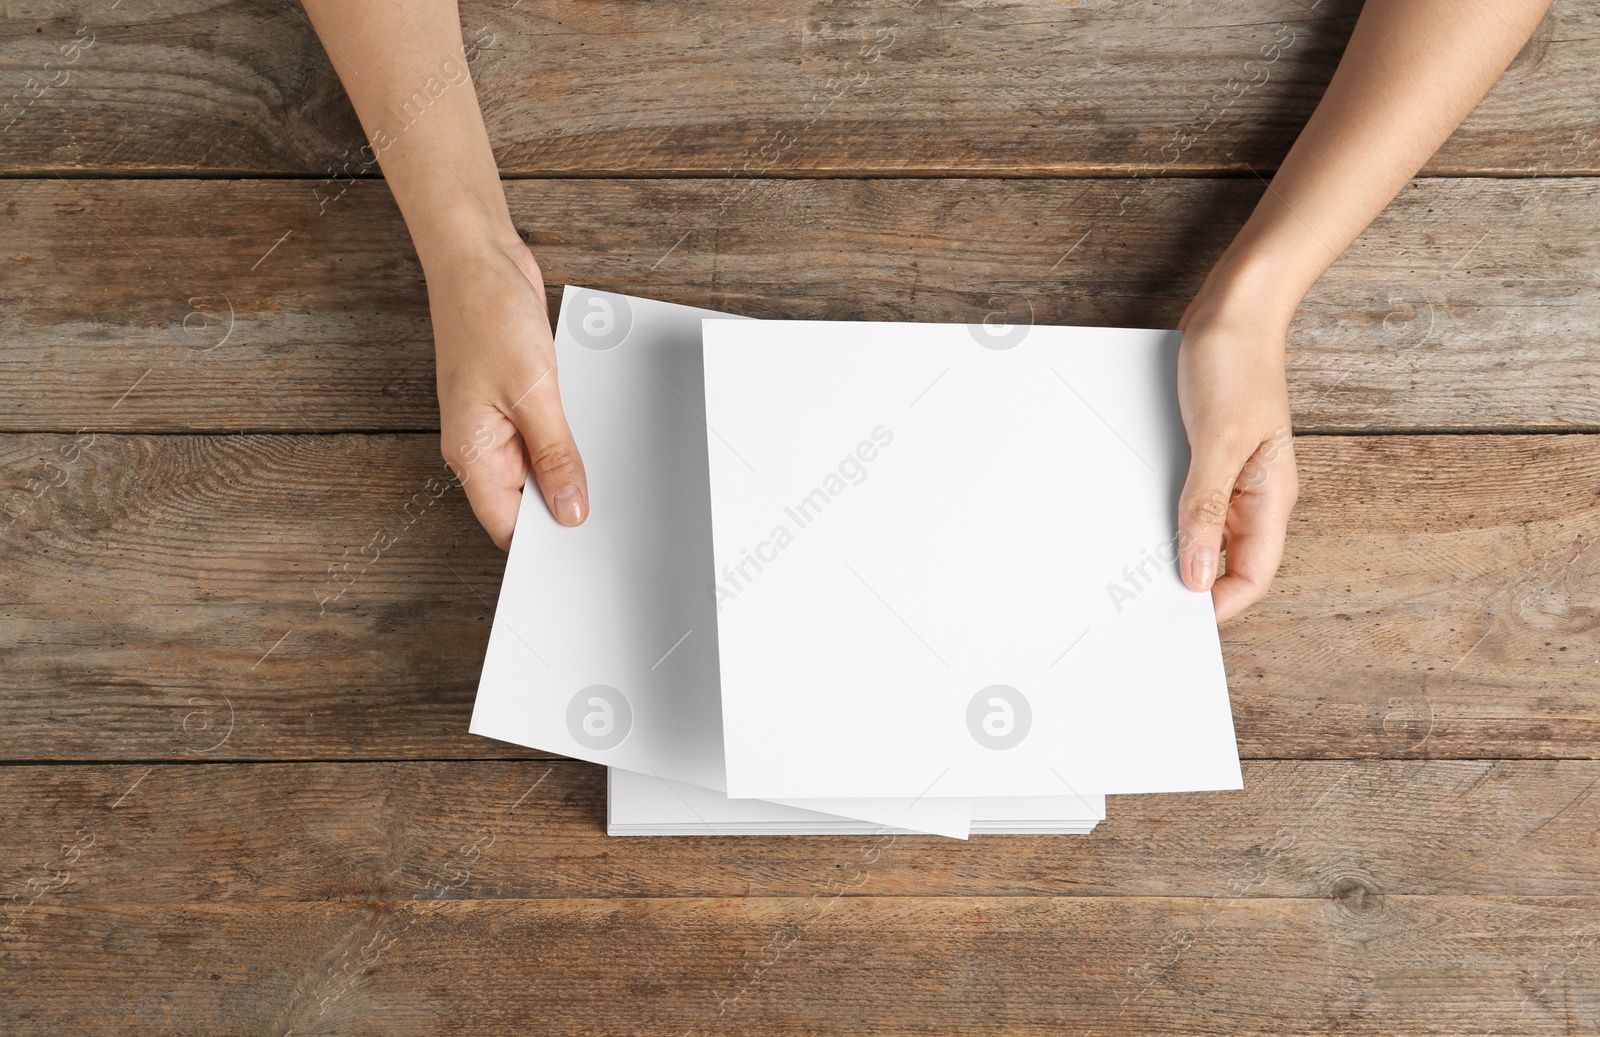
1033,87
485,830
1437,600
1360,963
146,306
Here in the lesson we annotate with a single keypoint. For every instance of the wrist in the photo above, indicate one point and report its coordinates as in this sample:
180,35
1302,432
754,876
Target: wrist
454,207
1253,282
457,240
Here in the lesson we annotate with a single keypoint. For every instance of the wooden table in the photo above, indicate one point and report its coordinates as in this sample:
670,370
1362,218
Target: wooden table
239,795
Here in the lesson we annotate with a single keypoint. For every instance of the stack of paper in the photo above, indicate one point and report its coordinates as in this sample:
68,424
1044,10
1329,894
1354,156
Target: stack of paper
853,576
639,804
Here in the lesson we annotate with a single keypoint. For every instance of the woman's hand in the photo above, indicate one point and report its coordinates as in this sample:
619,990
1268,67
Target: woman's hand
499,407
500,414
1242,482
1412,72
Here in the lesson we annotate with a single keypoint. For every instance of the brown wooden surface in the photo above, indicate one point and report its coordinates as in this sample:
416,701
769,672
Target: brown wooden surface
233,803
1359,963
1470,304
254,833
721,88
1437,600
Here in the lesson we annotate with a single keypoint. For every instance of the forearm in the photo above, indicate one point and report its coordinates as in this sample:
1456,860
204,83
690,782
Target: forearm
1412,72
403,65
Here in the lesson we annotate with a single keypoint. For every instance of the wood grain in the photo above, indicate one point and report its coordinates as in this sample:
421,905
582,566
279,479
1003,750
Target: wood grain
238,792
207,305
1439,598
487,830
1361,963
721,88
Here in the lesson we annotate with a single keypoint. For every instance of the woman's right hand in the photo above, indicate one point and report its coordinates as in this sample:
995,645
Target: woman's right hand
1242,484
500,410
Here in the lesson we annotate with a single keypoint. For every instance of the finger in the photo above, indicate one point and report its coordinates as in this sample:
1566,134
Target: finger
1258,524
491,467
552,453
1253,559
494,501
1214,468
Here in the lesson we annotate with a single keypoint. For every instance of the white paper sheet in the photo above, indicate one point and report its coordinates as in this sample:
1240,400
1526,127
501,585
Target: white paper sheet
604,643
638,804
945,564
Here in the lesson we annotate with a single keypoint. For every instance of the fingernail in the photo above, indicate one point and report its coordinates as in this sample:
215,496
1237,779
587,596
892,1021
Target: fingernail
568,505
1205,564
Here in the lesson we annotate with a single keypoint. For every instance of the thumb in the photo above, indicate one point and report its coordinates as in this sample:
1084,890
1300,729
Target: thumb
552,453
1203,512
